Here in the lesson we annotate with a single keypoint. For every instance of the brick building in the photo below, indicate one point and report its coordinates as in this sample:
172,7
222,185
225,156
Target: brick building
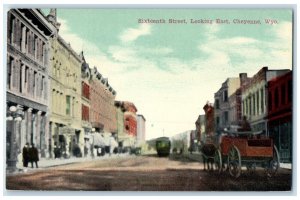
280,101
130,118
27,86
103,115
85,104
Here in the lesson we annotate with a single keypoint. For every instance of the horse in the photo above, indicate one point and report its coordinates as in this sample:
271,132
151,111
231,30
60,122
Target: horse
208,151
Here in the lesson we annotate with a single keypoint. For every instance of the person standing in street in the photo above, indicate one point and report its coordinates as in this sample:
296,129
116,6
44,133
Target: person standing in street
33,156
25,155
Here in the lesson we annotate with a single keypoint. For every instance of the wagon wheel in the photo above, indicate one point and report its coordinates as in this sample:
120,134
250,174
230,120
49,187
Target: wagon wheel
218,161
234,162
273,164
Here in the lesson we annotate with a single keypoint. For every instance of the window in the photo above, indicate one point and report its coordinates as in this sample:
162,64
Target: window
68,102
225,96
19,34
250,105
20,78
283,94
262,100
270,101
218,121
226,117
276,98
290,91
217,104
26,73
9,68
257,102
253,100
10,18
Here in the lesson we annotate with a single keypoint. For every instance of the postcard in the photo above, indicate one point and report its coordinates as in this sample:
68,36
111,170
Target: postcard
149,99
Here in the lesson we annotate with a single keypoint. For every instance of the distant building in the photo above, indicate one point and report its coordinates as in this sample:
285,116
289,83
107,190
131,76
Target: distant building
127,133
222,104
141,130
27,86
280,101
121,135
181,142
254,98
200,128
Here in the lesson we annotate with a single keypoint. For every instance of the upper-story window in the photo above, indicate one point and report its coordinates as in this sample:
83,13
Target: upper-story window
226,117
68,105
290,90
225,96
270,101
276,98
283,94
217,104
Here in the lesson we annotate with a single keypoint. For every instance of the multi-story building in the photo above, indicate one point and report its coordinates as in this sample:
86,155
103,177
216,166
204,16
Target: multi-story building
222,106
102,103
85,104
235,103
27,86
65,80
254,98
280,101
130,124
235,108
141,130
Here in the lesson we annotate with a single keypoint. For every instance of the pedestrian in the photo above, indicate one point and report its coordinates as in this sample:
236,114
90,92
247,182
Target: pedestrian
33,156
25,155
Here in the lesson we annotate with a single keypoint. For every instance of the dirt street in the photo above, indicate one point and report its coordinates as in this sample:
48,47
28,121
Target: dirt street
144,173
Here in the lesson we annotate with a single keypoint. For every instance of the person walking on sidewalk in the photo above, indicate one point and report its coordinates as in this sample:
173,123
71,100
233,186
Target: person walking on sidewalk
25,155
33,156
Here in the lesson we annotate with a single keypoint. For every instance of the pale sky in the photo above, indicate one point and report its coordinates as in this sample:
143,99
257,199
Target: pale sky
169,71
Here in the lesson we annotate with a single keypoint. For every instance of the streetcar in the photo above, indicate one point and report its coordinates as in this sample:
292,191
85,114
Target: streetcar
163,146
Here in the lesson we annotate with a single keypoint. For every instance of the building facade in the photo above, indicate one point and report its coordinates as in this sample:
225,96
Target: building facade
102,101
121,135
141,130
222,105
280,101
65,117
254,98
130,124
85,105
200,128
27,85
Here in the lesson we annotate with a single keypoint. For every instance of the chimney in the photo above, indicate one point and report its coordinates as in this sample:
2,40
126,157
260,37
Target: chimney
243,78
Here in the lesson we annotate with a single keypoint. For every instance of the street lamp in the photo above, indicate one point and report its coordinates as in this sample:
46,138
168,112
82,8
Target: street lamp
15,115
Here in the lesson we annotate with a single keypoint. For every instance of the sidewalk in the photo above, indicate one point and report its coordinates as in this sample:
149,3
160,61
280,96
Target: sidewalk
45,163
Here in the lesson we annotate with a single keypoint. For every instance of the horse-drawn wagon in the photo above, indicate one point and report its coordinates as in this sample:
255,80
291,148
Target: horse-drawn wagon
247,148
